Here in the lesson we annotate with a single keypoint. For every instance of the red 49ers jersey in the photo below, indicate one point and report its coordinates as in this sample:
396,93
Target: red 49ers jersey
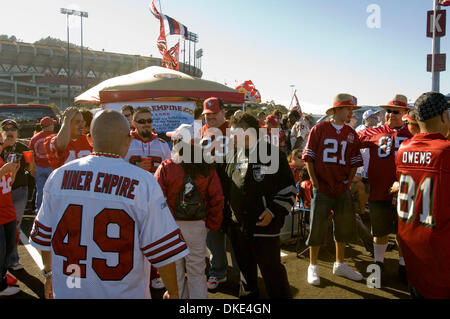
75,149
154,149
104,221
334,154
7,212
383,143
423,206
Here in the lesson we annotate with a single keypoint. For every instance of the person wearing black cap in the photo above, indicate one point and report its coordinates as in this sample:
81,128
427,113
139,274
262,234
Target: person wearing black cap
299,130
19,191
423,168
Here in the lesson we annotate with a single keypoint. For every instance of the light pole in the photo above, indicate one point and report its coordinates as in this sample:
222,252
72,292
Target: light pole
82,15
436,47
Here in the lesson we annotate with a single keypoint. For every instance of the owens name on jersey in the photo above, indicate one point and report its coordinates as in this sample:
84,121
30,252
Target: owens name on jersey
423,207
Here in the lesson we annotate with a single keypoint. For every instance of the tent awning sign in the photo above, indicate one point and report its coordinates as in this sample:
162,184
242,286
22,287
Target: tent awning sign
166,115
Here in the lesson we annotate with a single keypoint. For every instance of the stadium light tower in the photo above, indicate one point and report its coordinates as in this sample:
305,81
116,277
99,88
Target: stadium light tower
81,14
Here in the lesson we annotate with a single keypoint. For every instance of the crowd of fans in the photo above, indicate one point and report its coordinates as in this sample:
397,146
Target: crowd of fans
326,167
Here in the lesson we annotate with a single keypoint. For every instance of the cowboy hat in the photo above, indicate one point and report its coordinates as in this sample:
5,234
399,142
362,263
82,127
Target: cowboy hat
399,101
341,100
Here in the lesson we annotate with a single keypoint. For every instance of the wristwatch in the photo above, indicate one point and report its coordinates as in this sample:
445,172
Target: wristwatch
46,274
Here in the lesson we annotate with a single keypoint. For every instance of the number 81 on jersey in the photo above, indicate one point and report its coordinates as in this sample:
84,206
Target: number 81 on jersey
410,198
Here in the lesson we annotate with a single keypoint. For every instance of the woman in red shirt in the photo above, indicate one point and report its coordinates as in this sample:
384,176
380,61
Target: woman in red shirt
171,177
7,222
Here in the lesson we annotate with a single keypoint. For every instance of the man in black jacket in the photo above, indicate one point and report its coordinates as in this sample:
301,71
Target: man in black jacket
260,193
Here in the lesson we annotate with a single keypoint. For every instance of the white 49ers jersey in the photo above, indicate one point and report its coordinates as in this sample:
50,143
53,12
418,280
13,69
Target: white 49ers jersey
103,221
155,149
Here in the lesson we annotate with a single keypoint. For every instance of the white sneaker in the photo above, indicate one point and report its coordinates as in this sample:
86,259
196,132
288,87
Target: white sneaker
157,284
344,270
313,275
16,266
213,282
10,290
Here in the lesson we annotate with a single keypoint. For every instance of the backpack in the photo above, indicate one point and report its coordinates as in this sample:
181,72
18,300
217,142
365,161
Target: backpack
189,205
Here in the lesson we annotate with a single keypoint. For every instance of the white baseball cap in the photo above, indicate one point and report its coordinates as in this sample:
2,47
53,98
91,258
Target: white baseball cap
368,114
184,132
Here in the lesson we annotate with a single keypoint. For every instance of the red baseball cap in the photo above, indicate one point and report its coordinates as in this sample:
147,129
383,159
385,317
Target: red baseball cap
46,121
212,105
272,120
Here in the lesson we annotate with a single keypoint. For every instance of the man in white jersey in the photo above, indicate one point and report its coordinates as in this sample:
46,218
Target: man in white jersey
146,150
102,220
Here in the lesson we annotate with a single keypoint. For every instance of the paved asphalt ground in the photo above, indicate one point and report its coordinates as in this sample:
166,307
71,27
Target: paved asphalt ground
331,287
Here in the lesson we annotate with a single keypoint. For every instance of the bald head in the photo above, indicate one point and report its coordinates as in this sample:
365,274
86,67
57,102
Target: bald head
110,132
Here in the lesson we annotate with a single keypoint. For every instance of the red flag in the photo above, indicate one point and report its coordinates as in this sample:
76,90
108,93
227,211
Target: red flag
169,57
250,91
444,3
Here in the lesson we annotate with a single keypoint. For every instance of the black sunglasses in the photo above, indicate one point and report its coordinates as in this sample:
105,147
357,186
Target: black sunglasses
392,111
12,129
143,121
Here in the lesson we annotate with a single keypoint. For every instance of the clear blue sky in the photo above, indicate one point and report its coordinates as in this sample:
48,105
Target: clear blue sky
322,47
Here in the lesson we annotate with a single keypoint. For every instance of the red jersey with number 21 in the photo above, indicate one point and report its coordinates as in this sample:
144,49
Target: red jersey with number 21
76,149
383,143
334,153
423,206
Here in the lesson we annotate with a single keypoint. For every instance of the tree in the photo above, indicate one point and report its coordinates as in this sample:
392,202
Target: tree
5,37
55,43
267,107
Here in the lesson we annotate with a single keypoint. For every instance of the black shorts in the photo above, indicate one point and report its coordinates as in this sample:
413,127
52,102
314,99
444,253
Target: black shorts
344,224
383,217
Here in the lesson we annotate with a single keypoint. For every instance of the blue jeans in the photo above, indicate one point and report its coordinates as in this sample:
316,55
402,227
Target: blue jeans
7,242
19,197
216,243
42,173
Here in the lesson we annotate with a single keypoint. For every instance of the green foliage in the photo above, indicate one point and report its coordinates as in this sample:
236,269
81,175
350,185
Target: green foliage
55,42
5,37
267,107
